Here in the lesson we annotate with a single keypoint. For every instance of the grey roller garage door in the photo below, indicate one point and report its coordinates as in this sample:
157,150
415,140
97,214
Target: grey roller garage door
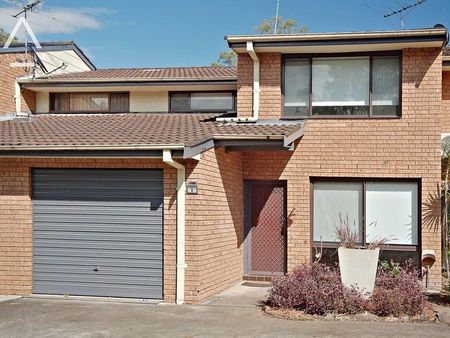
98,232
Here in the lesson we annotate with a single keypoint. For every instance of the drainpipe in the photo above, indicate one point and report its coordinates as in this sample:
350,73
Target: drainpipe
181,220
17,99
254,118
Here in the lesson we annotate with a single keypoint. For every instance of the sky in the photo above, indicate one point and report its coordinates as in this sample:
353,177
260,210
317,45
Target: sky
170,33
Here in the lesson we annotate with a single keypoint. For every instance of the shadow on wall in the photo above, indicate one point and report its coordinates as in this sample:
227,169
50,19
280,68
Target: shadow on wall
431,210
230,169
419,69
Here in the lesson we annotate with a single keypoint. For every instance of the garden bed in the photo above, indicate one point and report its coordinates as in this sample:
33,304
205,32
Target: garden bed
315,291
291,314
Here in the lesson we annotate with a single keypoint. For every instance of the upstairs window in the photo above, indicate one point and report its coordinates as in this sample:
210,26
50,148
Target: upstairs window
353,86
202,101
89,102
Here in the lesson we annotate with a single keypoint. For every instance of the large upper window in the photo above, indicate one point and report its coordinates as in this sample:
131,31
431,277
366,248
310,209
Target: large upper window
373,209
89,102
367,86
202,101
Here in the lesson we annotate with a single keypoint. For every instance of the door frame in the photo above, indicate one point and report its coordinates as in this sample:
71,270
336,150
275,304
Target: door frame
248,184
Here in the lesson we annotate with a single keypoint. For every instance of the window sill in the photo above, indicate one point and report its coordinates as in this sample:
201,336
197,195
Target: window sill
341,117
386,247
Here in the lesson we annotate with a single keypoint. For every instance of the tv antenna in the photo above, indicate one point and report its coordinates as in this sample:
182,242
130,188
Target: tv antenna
23,21
276,18
402,12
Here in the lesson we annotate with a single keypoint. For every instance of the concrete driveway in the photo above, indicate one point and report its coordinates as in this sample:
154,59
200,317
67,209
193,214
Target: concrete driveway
232,313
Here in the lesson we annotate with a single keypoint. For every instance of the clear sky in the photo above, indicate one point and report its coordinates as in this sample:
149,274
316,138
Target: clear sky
158,33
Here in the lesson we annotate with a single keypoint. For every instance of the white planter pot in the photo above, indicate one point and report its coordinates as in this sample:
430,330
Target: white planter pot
359,268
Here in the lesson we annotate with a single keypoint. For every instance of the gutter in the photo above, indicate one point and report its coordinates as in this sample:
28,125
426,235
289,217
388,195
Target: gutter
256,68
339,35
181,223
87,147
196,149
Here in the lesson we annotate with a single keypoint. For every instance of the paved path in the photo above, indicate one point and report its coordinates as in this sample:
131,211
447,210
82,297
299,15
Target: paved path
231,313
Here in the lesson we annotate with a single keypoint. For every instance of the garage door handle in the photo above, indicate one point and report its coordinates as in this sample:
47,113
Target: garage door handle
95,268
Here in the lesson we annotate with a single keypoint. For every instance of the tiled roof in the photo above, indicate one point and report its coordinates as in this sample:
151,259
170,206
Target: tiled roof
446,52
180,73
72,131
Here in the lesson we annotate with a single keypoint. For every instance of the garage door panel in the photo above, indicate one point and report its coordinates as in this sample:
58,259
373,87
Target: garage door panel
102,218
91,262
106,236
96,278
108,204
102,270
97,289
98,232
100,245
57,227
99,210
99,253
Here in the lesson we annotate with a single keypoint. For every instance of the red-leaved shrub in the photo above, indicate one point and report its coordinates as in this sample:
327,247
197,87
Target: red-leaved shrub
317,289
397,293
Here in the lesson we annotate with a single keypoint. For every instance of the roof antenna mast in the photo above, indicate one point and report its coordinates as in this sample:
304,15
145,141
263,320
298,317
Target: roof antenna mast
400,12
276,18
25,9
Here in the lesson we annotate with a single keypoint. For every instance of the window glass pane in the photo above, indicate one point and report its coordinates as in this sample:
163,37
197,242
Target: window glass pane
59,102
340,86
392,212
179,101
119,102
211,101
329,256
89,102
385,86
334,201
296,87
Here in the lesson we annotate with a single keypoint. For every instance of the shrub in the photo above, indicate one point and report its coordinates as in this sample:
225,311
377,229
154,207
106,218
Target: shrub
315,289
397,292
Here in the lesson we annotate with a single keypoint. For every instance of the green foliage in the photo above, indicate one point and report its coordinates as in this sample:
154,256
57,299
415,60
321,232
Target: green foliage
267,26
446,286
284,26
226,59
4,37
390,267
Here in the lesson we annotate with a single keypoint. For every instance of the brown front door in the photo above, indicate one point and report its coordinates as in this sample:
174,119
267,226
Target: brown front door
265,227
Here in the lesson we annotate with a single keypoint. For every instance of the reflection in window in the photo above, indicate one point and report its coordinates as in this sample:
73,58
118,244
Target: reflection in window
342,86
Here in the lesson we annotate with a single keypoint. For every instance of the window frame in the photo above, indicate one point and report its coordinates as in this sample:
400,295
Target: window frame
68,97
371,55
364,180
189,92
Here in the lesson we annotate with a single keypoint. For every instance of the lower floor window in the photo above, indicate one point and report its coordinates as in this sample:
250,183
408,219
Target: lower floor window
373,209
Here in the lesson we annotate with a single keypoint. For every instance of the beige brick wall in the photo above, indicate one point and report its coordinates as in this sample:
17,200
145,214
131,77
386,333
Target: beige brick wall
406,147
445,102
8,77
16,218
214,226
269,83
245,86
214,222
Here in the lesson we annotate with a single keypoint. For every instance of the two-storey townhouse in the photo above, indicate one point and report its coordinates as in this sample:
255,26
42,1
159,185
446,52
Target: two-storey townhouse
175,183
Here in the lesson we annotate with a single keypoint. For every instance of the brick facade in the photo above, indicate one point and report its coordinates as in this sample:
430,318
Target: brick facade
16,218
408,147
214,227
7,84
445,102
214,219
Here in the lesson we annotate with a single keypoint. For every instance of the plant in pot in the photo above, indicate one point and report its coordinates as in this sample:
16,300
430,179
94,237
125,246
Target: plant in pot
358,265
